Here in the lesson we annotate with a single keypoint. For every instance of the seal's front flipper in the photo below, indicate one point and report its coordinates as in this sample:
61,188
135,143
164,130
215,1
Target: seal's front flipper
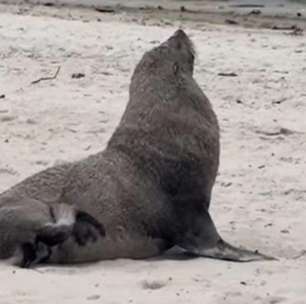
203,240
225,251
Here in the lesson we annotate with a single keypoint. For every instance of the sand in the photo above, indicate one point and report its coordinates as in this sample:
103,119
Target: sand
259,200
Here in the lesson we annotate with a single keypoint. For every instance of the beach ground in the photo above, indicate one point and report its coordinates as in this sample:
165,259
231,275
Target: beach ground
259,200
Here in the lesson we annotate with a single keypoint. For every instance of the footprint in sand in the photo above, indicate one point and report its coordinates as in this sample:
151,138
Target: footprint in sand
8,170
153,285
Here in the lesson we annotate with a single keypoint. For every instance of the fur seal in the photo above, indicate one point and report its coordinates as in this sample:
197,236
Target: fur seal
148,191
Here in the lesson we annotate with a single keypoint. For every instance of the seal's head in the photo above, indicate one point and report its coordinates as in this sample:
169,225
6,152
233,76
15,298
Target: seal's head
179,48
175,54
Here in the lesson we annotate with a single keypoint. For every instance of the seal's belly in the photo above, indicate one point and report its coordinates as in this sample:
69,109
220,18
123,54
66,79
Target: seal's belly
134,247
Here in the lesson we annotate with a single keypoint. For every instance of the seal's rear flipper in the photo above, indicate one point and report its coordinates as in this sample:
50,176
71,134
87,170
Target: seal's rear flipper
70,222
203,240
87,228
30,229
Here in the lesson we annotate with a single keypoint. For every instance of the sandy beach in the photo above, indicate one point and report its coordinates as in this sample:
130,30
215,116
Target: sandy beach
259,200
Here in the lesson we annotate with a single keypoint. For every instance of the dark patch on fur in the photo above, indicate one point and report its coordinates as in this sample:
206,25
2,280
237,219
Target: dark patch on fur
86,228
52,235
33,254
48,251
85,217
84,232
29,255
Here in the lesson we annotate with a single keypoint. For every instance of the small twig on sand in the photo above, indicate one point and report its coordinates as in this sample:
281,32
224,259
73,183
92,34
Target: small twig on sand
104,10
255,12
231,21
247,5
48,4
301,254
183,9
77,75
279,101
285,28
47,78
297,32
231,74
281,131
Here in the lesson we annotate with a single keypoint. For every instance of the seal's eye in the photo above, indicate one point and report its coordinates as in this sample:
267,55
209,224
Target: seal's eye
175,68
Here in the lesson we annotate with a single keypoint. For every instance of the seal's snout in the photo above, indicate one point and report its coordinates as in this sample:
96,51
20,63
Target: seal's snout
176,54
180,40
182,50
180,34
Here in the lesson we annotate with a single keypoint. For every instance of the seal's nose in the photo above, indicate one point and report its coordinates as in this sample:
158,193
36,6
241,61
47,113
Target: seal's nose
180,34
